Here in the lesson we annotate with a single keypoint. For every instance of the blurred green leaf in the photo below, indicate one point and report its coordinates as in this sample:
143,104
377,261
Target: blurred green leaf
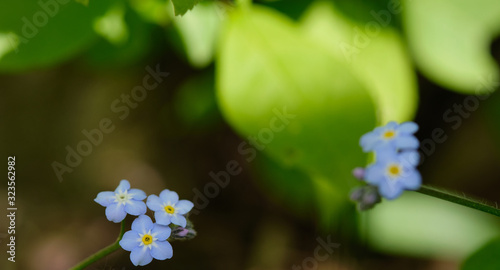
46,32
83,2
198,31
140,38
112,25
264,73
182,6
154,11
290,186
450,40
486,258
369,12
381,61
419,225
292,8
195,103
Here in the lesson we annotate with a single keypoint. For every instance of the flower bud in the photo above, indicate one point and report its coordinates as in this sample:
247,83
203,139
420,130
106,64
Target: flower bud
359,173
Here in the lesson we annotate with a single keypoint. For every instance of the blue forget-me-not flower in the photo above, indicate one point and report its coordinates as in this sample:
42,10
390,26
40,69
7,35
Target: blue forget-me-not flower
393,172
392,135
122,201
168,209
394,169
147,240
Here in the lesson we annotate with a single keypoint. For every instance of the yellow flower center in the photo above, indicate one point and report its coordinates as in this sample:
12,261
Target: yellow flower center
389,134
394,170
169,209
147,239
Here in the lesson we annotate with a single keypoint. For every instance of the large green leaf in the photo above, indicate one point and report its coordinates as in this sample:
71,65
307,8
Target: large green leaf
291,8
450,40
36,35
424,226
486,258
287,185
379,59
268,69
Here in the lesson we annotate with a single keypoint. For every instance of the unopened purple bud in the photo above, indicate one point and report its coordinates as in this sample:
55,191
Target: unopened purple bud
357,194
366,197
359,173
371,198
182,232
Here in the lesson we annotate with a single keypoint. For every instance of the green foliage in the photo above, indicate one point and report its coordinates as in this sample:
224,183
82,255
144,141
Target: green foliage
433,227
379,60
33,36
334,103
134,47
111,25
259,75
83,2
182,6
285,183
154,11
195,103
198,31
485,258
450,40
291,8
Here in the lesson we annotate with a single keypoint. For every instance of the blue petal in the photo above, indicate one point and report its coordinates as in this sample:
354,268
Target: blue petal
154,203
412,181
183,207
135,208
375,174
169,197
140,256
130,240
123,186
385,155
162,251
115,212
178,220
390,190
161,232
142,224
409,158
408,128
378,131
368,141
105,198
137,194
391,125
407,142
162,218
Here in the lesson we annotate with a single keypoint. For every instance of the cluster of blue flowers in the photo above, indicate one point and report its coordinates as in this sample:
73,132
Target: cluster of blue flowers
147,240
394,170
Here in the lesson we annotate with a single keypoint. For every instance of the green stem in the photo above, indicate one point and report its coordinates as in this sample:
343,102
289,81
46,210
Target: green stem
103,252
459,200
